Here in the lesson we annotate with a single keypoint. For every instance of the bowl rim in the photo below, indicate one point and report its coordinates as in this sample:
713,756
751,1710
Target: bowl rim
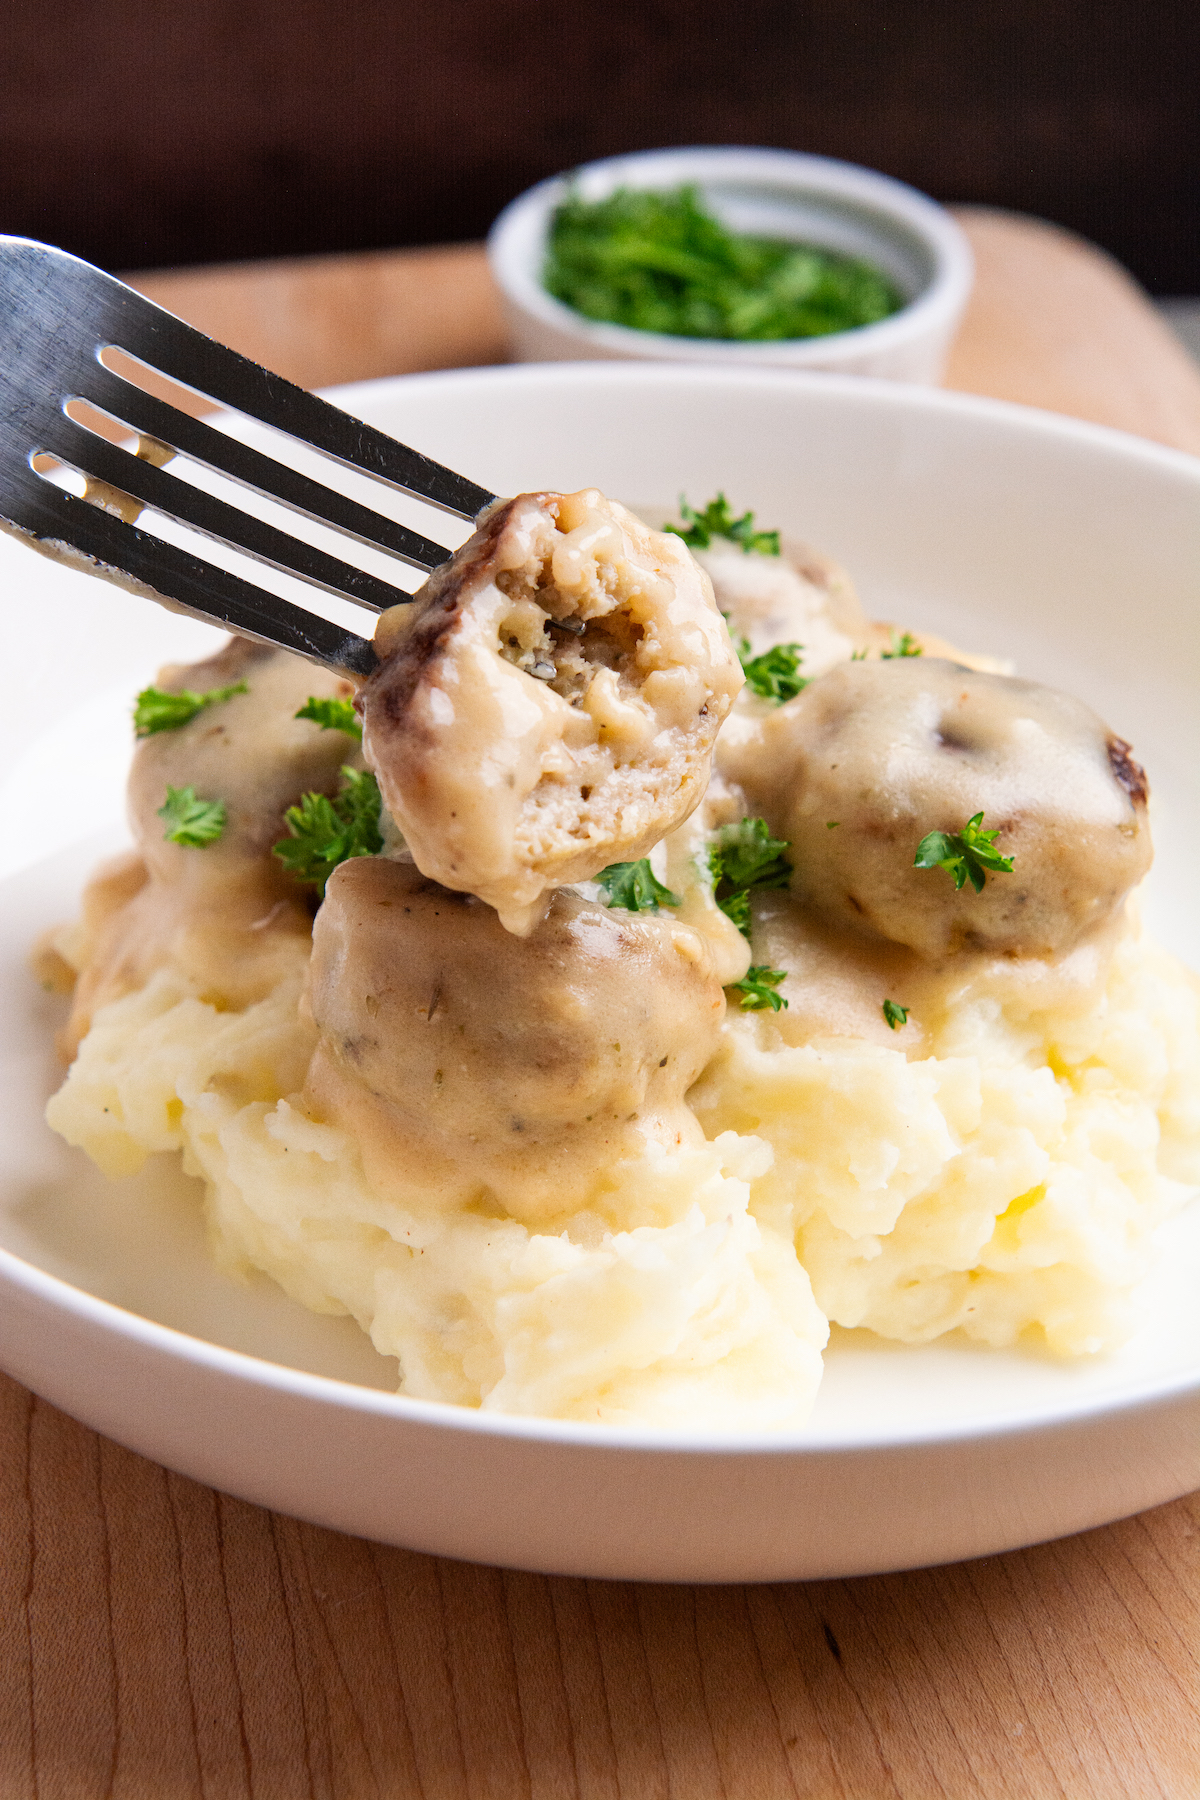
943,239
18,1275
251,1371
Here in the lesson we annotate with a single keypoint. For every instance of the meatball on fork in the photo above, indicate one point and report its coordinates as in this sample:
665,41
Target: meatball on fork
548,702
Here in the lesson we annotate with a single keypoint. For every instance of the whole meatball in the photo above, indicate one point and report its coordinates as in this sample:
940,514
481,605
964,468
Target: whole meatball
252,753
548,702
873,755
458,1051
227,914
799,596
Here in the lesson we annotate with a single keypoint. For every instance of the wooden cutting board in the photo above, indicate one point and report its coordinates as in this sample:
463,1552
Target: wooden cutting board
1053,322
159,1640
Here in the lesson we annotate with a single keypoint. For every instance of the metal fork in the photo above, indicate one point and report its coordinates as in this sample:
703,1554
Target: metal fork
57,316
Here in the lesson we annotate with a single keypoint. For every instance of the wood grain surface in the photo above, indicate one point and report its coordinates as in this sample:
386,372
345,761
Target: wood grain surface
1053,322
158,1639
323,319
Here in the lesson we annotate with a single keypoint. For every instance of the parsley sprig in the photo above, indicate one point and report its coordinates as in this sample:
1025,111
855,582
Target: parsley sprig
903,644
744,858
895,1014
966,854
757,988
155,710
326,831
332,715
772,676
716,520
635,886
190,820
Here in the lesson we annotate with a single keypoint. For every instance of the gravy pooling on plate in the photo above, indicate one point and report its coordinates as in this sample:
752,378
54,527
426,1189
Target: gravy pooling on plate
632,1047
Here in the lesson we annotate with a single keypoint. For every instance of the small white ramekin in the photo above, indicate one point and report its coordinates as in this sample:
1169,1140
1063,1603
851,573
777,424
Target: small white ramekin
772,193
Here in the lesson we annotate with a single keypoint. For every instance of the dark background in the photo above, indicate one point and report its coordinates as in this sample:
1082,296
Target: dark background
139,133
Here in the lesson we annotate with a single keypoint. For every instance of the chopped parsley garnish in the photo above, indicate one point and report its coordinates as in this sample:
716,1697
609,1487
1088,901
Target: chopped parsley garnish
327,831
742,858
737,907
757,988
903,644
155,710
717,521
332,715
772,676
965,855
662,262
636,887
894,1014
190,820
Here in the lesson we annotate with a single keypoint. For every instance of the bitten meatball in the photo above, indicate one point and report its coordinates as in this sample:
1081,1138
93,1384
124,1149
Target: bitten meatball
548,703
873,755
459,1054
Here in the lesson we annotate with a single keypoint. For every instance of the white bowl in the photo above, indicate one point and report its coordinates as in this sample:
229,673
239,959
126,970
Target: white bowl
1071,548
772,193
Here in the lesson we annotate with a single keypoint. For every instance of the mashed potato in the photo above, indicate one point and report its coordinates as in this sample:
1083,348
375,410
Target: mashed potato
694,1312
1010,1181
707,1187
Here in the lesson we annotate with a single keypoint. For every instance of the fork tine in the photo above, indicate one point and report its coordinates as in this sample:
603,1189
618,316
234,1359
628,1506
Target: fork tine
94,456
59,315
87,300
74,531
150,417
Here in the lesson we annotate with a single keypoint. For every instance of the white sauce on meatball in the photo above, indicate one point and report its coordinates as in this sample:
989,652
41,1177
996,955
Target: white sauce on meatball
861,765
548,703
